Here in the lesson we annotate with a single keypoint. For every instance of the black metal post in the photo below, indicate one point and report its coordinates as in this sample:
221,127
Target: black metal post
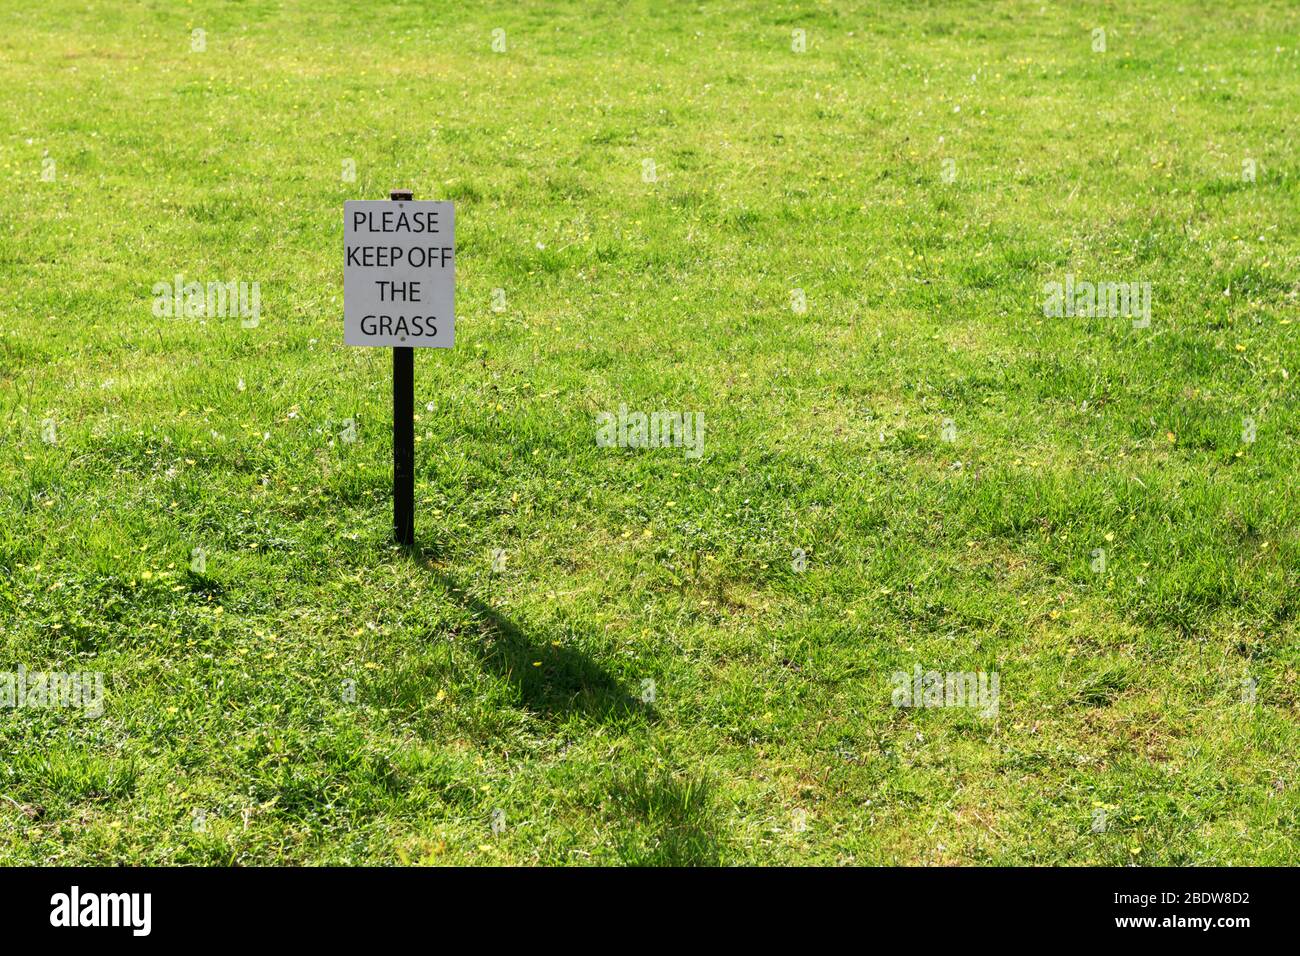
403,432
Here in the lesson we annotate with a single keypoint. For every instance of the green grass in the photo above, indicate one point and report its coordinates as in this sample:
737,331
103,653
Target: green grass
522,691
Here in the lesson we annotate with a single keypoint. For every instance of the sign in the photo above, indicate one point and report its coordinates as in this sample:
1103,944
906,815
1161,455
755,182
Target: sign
399,273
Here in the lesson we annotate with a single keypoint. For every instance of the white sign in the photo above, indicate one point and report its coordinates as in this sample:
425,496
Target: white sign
399,273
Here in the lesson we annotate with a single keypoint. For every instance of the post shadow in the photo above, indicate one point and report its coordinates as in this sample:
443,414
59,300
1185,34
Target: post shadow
567,682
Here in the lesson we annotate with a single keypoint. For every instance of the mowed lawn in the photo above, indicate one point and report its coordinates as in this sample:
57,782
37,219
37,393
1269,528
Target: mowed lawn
837,257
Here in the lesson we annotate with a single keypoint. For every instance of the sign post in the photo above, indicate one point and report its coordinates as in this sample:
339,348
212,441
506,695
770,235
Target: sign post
404,444
399,279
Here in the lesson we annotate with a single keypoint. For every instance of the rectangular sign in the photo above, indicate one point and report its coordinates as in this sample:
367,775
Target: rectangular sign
399,273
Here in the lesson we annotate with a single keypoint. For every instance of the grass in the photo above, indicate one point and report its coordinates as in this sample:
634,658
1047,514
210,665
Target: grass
317,696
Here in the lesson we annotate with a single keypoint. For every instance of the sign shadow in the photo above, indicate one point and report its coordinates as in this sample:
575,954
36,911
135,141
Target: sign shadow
553,680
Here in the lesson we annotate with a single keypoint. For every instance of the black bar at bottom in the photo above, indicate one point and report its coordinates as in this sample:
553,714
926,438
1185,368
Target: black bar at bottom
228,906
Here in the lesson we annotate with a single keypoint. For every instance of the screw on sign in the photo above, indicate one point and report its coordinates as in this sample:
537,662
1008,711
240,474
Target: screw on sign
399,286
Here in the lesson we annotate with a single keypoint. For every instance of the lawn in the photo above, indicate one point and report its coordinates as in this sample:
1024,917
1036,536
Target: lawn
825,229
